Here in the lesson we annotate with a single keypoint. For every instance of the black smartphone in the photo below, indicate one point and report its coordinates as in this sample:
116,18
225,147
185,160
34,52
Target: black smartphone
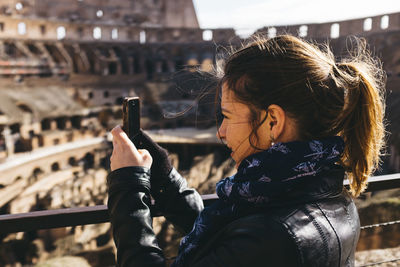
131,117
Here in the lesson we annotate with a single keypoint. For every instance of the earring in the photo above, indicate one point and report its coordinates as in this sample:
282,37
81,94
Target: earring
272,139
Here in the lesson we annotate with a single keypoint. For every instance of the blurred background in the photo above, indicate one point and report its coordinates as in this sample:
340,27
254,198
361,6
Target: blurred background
66,65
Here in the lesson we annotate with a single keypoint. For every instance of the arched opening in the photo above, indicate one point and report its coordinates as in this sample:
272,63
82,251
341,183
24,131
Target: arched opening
335,30
149,69
207,35
80,32
123,58
46,124
2,141
303,31
61,123
114,34
105,163
15,128
72,161
385,22
22,145
367,24
43,29
137,68
271,32
37,172
164,66
179,65
97,33
142,37
61,33
99,13
88,161
76,122
19,6
55,167
24,108
112,68
21,28
34,49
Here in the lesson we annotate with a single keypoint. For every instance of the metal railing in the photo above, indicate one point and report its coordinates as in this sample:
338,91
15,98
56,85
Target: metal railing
24,222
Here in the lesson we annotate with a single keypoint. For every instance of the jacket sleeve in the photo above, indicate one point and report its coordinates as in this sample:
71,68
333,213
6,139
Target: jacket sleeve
177,202
128,206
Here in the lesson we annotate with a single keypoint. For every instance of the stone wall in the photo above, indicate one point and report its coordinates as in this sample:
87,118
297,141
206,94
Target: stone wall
336,29
169,13
29,28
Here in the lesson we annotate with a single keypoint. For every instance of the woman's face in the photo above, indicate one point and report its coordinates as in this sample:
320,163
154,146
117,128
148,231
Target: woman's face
236,128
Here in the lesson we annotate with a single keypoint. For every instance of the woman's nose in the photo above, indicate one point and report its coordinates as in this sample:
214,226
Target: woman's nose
221,131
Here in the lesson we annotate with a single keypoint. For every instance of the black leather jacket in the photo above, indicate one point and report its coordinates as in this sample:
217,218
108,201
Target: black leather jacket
317,226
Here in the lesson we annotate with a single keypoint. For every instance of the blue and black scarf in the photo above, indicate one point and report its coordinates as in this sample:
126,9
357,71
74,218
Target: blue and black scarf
262,179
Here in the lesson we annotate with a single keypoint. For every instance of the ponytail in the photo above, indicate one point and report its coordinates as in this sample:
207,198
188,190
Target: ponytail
362,119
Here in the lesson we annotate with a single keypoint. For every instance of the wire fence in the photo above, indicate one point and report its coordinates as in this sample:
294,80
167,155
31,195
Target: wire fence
376,226
379,225
46,219
379,263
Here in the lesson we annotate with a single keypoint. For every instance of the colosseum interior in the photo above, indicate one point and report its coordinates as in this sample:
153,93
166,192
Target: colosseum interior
65,67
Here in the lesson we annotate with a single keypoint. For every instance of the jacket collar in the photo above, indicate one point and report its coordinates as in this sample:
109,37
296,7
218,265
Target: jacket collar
329,184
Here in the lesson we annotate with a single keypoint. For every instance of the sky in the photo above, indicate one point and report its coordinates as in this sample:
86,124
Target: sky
248,15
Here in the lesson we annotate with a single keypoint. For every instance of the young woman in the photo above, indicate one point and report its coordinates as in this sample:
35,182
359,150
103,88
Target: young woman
297,123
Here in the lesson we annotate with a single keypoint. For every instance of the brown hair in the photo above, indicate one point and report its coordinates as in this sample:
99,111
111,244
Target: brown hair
323,97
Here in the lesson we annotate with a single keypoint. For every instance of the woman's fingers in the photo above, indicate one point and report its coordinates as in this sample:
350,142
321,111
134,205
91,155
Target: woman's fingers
125,153
144,153
122,139
147,160
119,135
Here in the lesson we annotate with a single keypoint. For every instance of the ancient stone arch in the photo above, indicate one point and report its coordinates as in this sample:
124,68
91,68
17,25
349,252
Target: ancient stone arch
55,166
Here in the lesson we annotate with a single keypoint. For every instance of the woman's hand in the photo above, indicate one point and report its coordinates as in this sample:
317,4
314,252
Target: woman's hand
125,153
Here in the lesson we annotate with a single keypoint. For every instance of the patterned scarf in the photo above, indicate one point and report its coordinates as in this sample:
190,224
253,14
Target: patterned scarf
262,179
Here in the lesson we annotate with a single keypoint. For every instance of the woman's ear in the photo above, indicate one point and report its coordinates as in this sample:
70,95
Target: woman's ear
276,120
282,127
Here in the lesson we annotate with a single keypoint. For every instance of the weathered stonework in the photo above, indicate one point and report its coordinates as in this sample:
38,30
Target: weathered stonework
65,66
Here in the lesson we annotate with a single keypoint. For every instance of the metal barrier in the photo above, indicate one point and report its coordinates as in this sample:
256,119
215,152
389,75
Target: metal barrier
23,222
379,263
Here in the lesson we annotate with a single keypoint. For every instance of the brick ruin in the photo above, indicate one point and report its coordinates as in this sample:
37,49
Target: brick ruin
92,54
65,66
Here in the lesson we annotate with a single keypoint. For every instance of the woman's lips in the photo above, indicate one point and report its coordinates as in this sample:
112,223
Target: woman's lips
232,152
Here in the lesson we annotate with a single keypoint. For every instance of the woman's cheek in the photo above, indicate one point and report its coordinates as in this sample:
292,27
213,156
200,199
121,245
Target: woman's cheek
229,137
